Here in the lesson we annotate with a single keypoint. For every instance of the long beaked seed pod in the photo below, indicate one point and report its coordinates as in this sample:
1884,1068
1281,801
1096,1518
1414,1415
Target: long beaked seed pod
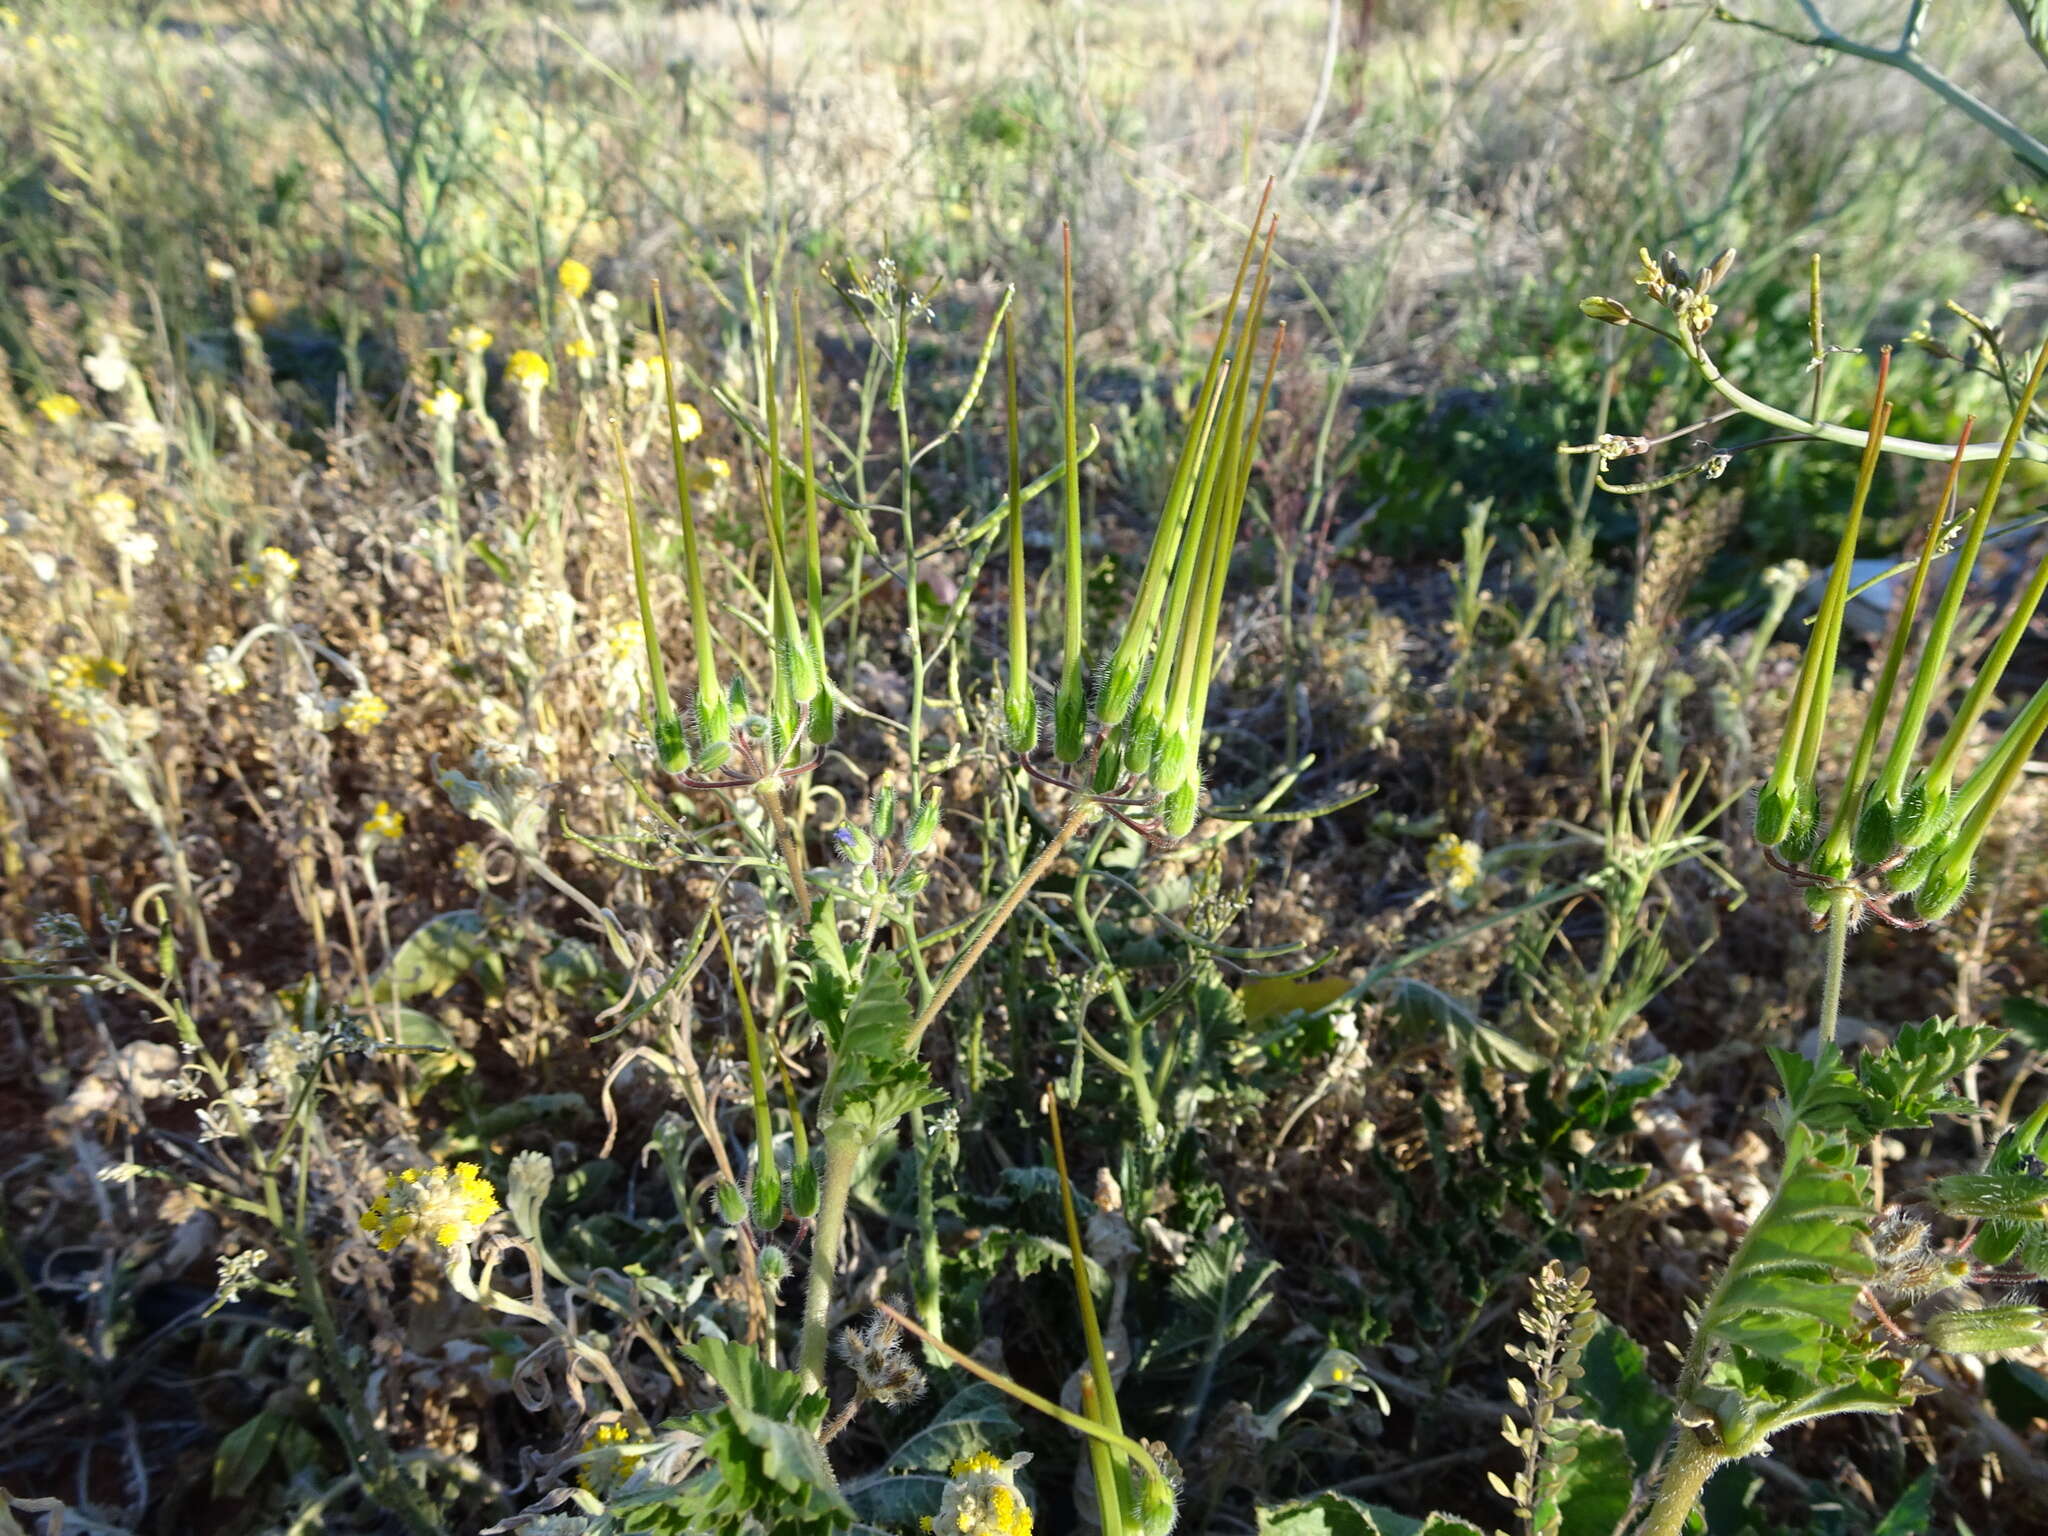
1836,856
824,712
1070,703
1933,659
1020,699
669,744
1126,667
713,718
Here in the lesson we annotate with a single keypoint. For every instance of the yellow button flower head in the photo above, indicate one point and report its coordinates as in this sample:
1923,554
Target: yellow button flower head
470,338
386,823
1454,864
981,1498
607,1466
76,678
275,566
574,278
718,468
450,1208
581,348
529,370
363,712
443,404
690,425
59,409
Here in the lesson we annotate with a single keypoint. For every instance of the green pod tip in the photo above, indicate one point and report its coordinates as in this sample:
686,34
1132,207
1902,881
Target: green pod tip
1177,815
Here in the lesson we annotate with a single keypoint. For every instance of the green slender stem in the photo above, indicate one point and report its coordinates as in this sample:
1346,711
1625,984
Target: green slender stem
709,694
840,1156
1837,957
966,960
1827,432
1678,1491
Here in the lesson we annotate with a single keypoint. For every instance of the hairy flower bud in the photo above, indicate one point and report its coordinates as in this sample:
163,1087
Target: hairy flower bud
882,815
731,1204
854,845
924,823
1987,1330
1178,812
1805,829
1774,812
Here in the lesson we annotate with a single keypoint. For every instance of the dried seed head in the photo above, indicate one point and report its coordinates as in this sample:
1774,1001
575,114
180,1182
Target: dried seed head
881,1365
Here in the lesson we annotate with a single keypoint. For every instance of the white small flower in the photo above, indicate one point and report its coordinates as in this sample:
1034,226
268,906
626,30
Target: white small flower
108,367
220,271
219,670
137,548
442,405
315,712
637,376
604,301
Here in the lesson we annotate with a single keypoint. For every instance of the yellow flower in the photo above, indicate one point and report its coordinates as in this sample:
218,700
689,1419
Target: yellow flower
718,468
272,567
443,404
691,426
448,1208
386,823
363,712
981,1498
607,1466
582,348
529,370
1453,863
574,278
77,679
469,864
471,338
59,409
260,305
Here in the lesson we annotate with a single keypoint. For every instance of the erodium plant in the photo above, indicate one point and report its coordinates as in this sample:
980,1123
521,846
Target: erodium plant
1836,1301
1125,744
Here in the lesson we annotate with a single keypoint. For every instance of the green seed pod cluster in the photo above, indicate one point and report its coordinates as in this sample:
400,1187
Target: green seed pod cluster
1914,825
1138,728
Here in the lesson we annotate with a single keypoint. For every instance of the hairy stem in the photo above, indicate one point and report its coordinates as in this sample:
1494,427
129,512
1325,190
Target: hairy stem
840,1154
1686,1472
1831,986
